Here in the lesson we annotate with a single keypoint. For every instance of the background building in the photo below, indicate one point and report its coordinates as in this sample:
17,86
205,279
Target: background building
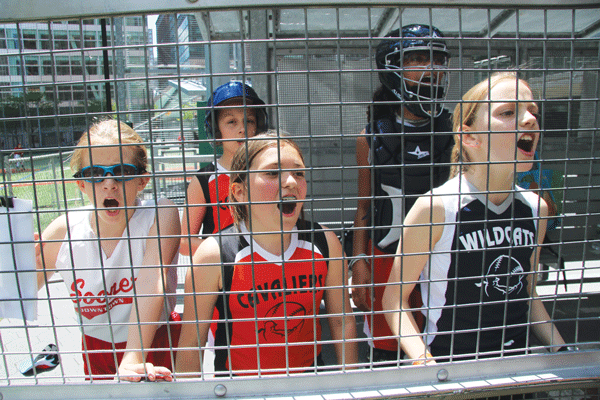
64,71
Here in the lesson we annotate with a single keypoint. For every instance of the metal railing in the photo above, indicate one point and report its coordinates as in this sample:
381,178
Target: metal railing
313,65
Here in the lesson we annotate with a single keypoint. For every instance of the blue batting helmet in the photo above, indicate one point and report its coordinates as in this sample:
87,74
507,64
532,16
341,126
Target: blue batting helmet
229,91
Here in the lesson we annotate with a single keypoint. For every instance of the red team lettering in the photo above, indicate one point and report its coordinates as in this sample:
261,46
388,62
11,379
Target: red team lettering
89,298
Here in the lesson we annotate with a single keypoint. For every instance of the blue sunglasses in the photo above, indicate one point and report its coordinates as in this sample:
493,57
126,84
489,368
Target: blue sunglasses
119,172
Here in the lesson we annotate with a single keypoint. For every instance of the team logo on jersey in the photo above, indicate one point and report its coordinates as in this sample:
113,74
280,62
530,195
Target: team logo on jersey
90,305
281,320
419,153
504,274
223,206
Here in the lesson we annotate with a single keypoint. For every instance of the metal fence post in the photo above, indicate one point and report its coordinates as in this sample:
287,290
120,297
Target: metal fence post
53,166
7,170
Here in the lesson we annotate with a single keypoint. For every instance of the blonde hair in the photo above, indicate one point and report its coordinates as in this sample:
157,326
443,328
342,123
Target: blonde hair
466,111
109,132
242,162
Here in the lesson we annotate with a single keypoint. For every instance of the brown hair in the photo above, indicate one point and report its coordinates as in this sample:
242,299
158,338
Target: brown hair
466,111
242,162
109,132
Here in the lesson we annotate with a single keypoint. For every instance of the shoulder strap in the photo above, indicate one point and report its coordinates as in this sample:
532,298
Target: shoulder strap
316,234
230,244
384,145
203,176
383,125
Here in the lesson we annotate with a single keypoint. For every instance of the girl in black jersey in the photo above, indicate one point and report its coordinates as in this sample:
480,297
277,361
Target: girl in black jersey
473,243
267,274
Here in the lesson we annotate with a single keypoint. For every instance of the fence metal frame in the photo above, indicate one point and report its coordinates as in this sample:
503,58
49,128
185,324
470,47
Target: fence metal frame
472,379
31,10
482,378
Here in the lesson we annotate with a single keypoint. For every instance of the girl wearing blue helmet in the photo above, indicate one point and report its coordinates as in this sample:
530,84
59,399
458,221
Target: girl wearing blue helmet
232,116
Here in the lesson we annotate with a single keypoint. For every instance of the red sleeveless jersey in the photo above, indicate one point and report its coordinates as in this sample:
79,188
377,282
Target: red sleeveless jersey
270,301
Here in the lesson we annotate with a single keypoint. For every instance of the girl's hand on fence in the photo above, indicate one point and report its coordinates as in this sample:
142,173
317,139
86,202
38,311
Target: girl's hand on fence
144,371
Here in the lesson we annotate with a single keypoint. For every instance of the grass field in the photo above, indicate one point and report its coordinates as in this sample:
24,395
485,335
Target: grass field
44,186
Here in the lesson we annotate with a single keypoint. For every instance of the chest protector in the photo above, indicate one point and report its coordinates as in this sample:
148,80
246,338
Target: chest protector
408,162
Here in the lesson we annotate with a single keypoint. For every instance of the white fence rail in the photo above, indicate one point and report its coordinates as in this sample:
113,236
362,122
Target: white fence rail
154,64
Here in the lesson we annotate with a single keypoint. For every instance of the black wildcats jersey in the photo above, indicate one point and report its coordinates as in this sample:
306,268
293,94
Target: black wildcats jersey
479,267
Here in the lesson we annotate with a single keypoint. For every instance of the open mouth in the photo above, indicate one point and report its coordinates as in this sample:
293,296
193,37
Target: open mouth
526,143
110,203
287,205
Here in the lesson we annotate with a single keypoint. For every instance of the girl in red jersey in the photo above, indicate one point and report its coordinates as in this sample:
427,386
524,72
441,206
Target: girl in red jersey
231,119
267,274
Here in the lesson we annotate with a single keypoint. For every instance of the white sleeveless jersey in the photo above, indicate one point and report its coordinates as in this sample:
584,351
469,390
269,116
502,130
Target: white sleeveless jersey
101,287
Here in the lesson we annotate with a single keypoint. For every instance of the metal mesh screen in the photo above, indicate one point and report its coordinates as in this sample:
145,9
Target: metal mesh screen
154,67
